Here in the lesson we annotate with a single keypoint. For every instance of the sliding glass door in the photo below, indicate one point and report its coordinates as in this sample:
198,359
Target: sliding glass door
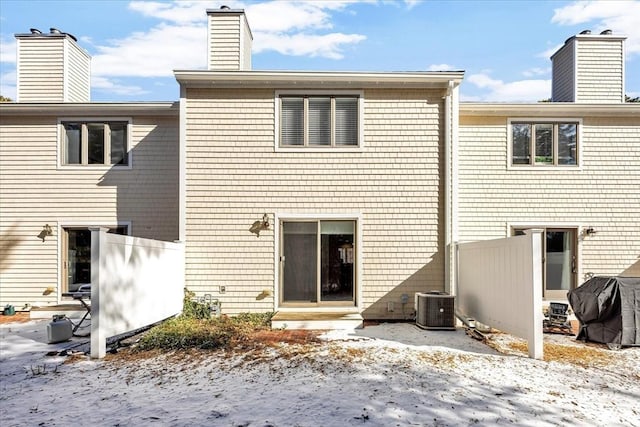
317,263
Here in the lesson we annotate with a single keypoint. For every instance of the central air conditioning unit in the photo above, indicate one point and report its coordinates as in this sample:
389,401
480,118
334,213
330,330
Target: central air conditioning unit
435,310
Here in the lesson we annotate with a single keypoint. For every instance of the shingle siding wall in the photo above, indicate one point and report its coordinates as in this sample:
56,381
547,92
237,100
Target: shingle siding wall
604,193
41,70
234,176
35,192
599,72
224,40
563,81
78,71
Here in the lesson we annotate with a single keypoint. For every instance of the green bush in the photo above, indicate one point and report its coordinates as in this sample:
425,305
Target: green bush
196,329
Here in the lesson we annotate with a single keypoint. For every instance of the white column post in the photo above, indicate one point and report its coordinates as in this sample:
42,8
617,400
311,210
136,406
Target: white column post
98,340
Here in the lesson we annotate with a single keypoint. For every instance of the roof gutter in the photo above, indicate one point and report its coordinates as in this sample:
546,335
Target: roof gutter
306,79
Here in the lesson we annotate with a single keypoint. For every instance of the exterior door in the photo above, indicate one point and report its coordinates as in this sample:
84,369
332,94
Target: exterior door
317,263
76,263
559,261
76,256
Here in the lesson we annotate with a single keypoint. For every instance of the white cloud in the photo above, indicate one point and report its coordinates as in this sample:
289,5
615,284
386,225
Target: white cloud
536,71
547,53
622,17
113,86
8,50
299,28
441,67
154,53
326,45
517,91
183,12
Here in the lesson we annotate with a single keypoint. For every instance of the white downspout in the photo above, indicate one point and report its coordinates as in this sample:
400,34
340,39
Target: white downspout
182,178
447,189
451,121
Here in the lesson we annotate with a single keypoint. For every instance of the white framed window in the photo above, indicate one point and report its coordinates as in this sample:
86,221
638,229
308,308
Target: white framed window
554,143
319,120
95,142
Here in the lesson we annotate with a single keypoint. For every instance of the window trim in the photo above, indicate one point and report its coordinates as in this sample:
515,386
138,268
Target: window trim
544,120
319,149
88,120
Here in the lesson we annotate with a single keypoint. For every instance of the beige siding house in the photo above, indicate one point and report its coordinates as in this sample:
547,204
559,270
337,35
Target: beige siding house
345,168
316,193
571,168
590,209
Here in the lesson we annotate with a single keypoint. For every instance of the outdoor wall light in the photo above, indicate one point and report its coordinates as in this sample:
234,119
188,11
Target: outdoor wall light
260,225
46,231
589,231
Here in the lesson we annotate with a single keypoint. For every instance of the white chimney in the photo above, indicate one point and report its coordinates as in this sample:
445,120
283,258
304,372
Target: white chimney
589,68
229,40
52,67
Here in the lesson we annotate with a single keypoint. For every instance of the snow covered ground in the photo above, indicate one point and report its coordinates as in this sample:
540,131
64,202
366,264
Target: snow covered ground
385,375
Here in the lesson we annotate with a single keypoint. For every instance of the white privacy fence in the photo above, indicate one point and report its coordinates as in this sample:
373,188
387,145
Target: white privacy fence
500,285
135,282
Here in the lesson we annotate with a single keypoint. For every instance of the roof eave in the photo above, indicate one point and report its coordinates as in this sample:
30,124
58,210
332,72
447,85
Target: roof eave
281,79
545,109
90,108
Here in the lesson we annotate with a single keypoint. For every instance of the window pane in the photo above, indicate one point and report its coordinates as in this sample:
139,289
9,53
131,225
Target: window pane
119,143
95,137
567,144
346,121
319,121
521,150
72,145
300,250
79,258
544,144
337,260
292,121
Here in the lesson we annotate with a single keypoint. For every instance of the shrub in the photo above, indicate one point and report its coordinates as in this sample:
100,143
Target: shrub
196,329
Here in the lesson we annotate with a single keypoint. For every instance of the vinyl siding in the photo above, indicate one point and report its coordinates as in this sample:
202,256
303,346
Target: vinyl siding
599,72
78,74
224,42
40,70
52,69
604,193
563,81
234,176
35,192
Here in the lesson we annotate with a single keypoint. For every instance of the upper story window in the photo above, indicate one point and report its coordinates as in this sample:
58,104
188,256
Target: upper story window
544,143
319,121
95,143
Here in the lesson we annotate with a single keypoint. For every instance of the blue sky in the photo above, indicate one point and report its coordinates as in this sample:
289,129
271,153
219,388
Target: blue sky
503,46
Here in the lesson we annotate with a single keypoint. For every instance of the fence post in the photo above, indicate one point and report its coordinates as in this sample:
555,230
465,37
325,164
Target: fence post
98,250
536,345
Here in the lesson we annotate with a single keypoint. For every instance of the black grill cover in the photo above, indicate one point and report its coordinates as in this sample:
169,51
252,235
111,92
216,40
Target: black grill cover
608,309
